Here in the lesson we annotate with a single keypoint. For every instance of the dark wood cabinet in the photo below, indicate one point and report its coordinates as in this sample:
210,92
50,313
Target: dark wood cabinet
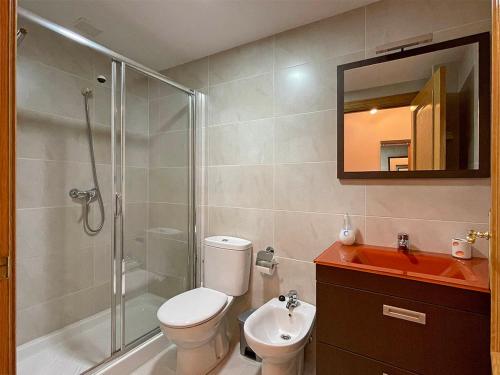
337,361
376,324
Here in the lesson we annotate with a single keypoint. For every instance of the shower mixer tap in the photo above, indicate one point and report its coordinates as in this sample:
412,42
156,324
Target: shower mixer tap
84,195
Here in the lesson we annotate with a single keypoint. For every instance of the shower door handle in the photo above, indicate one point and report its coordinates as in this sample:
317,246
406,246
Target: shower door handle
118,204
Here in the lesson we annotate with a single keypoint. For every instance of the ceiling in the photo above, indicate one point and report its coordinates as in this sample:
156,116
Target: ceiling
164,33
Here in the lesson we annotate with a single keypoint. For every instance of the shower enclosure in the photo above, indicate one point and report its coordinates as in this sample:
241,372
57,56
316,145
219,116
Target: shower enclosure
94,123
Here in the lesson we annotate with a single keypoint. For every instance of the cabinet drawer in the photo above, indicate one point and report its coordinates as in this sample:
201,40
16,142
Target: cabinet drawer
420,337
334,361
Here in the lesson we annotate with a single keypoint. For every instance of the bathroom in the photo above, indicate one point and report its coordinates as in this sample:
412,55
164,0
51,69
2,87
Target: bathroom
174,165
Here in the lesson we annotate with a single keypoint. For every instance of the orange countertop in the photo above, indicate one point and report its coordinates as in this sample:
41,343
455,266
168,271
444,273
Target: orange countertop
416,265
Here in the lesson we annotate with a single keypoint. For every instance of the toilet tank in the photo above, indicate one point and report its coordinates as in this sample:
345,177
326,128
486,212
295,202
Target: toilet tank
227,264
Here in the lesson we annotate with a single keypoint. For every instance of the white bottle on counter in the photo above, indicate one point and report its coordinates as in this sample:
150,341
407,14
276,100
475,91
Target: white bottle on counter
347,235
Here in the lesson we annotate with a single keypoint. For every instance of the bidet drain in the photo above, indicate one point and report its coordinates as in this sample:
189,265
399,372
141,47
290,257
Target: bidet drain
285,337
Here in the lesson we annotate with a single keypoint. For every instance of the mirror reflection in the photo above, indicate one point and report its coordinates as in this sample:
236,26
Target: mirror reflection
415,113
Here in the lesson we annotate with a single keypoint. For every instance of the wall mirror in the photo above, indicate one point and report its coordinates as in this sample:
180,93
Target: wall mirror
422,112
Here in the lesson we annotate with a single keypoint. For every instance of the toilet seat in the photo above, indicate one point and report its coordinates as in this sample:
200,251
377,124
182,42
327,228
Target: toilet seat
192,308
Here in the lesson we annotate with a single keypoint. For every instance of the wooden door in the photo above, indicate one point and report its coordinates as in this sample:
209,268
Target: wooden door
7,174
495,189
428,148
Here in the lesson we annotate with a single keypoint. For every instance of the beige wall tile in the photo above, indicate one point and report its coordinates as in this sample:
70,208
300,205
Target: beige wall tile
242,100
314,187
251,224
306,88
309,87
136,252
193,74
426,235
45,89
103,238
167,257
241,186
135,220
51,49
105,180
303,236
169,149
244,143
102,106
306,137
168,113
40,279
298,275
243,61
47,183
452,13
335,36
49,137
165,286
169,185
136,184
387,21
44,318
137,152
102,264
463,30
136,114
170,220
50,232
136,84
453,200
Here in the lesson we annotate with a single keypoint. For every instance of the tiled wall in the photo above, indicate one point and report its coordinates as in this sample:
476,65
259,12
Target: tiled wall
271,144
62,273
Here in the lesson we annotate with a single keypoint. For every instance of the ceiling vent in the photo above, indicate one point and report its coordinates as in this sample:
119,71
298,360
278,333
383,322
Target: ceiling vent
82,24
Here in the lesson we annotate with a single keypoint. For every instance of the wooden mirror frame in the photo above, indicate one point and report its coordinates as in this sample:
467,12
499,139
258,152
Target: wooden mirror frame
483,40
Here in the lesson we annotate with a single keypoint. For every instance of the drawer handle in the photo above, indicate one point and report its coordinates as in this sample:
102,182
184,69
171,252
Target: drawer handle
399,313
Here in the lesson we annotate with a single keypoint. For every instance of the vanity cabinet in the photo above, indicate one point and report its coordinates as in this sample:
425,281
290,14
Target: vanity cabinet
369,323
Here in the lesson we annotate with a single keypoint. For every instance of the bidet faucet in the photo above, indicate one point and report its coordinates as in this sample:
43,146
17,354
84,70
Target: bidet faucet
293,301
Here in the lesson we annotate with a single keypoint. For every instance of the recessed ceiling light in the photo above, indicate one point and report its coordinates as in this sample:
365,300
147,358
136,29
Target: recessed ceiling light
373,111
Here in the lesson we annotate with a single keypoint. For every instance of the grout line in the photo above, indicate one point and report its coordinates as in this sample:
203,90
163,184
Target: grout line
272,116
253,76
63,161
342,214
59,70
271,164
78,120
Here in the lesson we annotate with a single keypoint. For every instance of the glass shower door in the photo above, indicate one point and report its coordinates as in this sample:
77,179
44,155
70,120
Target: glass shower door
154,184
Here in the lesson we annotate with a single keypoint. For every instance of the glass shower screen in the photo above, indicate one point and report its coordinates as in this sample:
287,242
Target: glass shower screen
152,241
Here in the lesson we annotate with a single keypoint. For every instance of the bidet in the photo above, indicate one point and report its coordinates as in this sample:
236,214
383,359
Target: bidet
279,337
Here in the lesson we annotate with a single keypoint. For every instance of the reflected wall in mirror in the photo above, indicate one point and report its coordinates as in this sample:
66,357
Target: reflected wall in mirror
422,112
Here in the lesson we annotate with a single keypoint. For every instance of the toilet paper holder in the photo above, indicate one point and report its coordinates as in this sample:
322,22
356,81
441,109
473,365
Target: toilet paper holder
265,262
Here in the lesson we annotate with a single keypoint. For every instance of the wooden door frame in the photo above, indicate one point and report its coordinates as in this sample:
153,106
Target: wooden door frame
495,188
7,183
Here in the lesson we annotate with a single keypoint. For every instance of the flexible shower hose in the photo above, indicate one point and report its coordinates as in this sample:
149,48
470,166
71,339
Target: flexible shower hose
88,227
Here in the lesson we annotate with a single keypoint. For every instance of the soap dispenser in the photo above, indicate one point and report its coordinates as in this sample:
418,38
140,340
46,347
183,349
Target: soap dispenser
346,235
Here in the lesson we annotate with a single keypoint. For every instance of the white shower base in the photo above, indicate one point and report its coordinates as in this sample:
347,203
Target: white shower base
81,345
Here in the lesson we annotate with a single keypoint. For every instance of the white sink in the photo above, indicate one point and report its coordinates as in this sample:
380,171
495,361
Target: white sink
279,337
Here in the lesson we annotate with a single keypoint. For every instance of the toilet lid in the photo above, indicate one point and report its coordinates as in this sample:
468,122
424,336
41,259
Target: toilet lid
191,308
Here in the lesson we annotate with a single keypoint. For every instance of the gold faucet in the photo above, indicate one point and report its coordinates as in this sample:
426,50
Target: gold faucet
474,234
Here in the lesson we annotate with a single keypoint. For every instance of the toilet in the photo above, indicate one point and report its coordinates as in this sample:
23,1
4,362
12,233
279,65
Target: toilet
195,320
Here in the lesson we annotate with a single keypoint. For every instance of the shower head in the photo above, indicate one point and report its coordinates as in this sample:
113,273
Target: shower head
21,33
